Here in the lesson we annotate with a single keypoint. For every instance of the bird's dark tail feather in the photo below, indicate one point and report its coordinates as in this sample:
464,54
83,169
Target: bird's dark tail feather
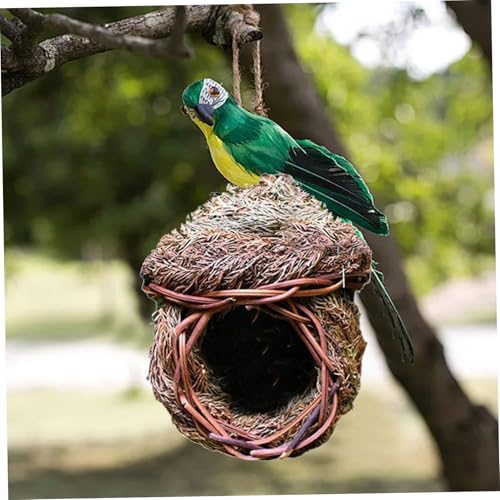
398,327
334,181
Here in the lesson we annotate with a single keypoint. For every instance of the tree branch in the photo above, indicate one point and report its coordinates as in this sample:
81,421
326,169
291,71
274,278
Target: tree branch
14,80
25,45
475,18
138,34
100,34
10,28
9,60
176,42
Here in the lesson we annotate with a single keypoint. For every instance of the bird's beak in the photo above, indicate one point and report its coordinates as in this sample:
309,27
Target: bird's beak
205,113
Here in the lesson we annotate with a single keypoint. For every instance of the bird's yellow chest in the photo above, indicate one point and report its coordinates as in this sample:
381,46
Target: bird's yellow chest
227,165
224,161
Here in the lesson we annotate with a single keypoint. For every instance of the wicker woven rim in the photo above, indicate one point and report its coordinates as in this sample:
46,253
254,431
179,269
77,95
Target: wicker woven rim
278,299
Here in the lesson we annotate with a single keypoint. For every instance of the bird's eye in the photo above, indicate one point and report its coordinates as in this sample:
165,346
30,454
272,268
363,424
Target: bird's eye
213,91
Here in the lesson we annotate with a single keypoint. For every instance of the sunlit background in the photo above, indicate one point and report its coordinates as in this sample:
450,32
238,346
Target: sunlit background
99,163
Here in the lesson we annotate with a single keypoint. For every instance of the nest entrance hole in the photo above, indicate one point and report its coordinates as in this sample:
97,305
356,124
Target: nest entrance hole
258,360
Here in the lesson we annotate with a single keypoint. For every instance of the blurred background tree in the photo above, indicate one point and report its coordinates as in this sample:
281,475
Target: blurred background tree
99,163
466,434
110,178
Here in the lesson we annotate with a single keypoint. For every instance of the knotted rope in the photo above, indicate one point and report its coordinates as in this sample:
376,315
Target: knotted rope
258,101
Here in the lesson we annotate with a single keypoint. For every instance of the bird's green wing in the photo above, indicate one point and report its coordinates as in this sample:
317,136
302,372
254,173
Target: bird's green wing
258,144
267,149
263,147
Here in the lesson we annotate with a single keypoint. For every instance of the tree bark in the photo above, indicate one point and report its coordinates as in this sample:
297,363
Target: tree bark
475,18
466,434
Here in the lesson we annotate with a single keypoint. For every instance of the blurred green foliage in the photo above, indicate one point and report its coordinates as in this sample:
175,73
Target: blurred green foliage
97,154
98,160
424,147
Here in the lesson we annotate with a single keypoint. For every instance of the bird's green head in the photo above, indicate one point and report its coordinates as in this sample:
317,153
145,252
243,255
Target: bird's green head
201,99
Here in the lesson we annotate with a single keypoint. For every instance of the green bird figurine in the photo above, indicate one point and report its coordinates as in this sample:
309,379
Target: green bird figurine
245,146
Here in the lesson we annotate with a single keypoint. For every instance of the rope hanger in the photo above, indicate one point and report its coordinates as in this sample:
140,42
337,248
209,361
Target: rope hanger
258,101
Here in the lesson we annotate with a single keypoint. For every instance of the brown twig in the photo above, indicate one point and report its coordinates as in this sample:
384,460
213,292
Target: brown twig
101,34
240,443
317,417
311,419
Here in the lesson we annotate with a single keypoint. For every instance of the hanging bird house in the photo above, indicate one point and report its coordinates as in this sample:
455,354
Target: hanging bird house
257,348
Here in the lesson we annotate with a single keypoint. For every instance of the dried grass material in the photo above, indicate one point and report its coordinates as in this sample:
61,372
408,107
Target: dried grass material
275,249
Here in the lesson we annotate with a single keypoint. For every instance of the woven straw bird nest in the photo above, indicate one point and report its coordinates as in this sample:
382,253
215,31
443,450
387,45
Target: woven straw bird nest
257,348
